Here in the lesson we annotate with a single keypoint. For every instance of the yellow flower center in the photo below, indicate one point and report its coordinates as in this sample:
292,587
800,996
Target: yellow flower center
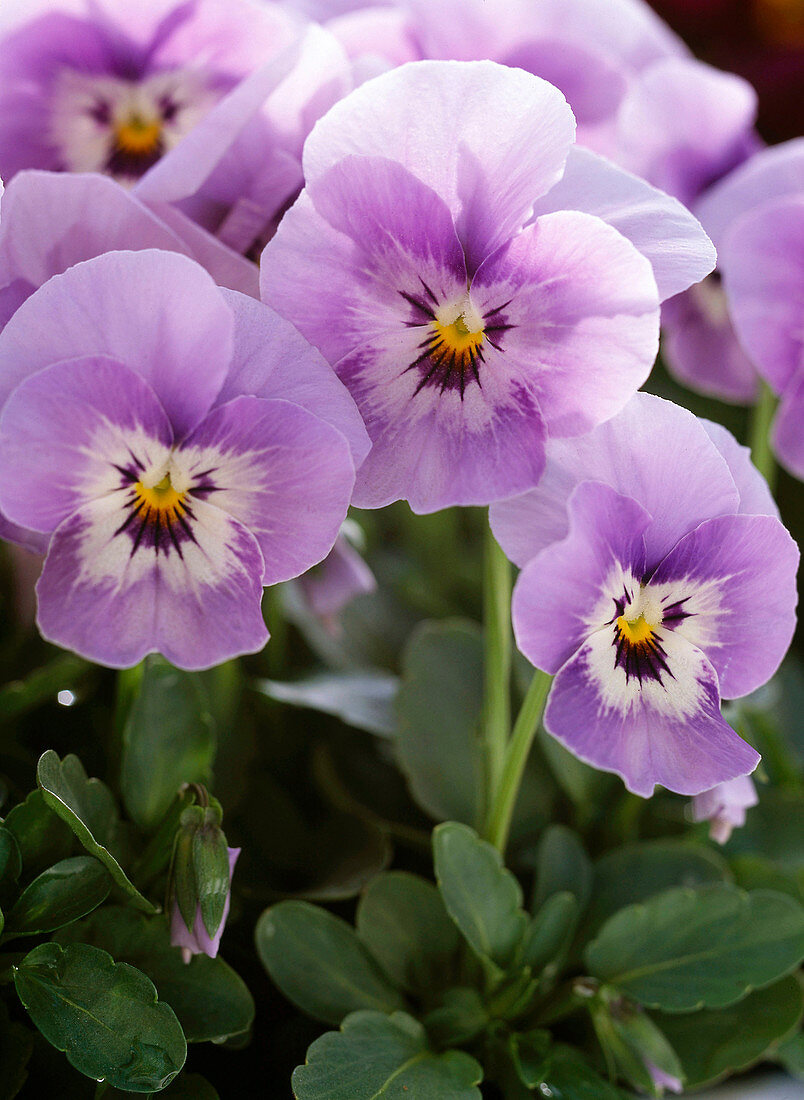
138,136
635,631
161,499
462,337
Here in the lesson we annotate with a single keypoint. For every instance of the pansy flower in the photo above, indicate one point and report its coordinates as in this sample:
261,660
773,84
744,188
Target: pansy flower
465,338
104,86
177,446
656,578
343,575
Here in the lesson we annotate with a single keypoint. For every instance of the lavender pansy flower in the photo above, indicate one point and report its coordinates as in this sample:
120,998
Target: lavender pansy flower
196,940
724,807
463,337
241,166
179,445
331,586
657,578
100,86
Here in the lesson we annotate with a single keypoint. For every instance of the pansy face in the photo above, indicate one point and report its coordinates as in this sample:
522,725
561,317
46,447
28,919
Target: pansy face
123,127
166,497
646,610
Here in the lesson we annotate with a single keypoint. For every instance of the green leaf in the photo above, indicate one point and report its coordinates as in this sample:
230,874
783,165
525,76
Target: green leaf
210,1000
774,829
62,894
530,1054
88,807
187,1086
638,871
104,1015
570,1077
686,949
482,897
42,837
402,921
375,1055
562,865
756,873
550,932
211,871
361,699
42,685
319,963
791,1055
10,858
438,709
459,1019
585,786
169,721
632,1041
714,1043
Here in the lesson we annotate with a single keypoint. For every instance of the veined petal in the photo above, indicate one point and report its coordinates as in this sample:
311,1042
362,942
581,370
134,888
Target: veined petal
735,577
658,225
498,141
653,451
113,603
648,731
583,313
788,440
157,312
756,498
284,473
558,596
272,359
66,433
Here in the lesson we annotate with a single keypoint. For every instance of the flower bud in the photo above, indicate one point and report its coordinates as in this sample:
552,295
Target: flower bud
724,806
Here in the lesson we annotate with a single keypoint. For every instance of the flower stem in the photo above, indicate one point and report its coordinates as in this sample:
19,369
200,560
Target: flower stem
761,453
497,663
527,723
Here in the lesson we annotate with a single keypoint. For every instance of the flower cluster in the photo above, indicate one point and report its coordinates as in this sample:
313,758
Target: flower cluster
467,217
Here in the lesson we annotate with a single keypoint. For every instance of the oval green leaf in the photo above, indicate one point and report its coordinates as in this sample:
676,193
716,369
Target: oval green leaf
62,894
104,1016
687,949
375,1055
319,963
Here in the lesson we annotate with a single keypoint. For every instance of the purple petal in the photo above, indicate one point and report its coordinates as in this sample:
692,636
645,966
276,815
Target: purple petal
700,347
582,308
279,470
756,498
656,224
762,259
646,732
725,806
272,359
114,604
65,432
157,312
788,439
653,451
490,187
736,577
773,173
683,125
331,586
558,592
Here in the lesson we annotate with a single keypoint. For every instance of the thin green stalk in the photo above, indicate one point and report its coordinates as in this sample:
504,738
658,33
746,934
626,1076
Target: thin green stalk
527,722
497,664
761,418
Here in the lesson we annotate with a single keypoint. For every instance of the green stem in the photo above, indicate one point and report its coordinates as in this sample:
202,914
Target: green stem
527,723
497,663
761,453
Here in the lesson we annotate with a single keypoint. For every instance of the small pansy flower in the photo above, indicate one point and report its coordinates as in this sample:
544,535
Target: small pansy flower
178,446
196,940
656,578
343,575
724,807
465,335
100,86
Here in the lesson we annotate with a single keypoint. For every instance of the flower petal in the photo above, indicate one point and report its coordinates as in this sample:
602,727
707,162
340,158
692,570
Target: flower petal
737,575
788,440
653,451
281,471
583,312
65,432
498,141
656,224
559,592
647,733
157,312
756,498
113,606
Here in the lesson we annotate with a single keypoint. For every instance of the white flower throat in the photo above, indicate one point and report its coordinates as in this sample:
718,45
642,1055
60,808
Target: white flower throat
123,127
